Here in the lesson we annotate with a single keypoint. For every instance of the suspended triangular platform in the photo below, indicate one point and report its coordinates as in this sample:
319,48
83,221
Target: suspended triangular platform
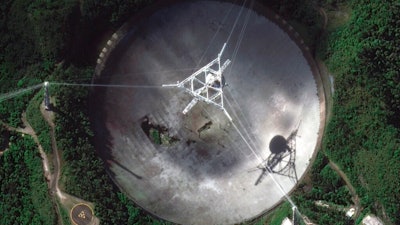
206,84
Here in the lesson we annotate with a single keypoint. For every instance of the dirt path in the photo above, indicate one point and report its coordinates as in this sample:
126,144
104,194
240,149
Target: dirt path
28,130
47,173
52,179
354,197
49,116
67,201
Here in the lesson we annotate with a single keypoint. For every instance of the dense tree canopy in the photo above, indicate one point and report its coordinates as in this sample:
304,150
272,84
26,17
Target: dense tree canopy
23,190
60,40
363,135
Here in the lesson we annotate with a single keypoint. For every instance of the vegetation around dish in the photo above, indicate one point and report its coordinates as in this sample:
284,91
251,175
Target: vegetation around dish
23,190
362,135
60,40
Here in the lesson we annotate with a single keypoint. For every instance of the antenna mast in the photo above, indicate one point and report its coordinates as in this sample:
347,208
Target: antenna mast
46,96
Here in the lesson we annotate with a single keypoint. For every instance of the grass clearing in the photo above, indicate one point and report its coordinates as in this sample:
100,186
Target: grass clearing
279,214
64,214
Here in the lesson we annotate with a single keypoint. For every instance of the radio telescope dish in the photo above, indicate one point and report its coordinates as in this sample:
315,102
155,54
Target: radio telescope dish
193,167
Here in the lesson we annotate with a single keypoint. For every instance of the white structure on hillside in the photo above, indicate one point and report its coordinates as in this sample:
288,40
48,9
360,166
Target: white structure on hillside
46,96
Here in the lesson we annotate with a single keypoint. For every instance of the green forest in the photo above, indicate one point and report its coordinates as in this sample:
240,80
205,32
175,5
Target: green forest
363,133
60,41
24,197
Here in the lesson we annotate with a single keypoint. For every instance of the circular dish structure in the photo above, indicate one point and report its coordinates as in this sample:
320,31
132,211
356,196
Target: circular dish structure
201,168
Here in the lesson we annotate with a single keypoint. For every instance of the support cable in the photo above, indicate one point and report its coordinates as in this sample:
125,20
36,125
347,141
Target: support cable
241,36
215,35
108,85
236,21
9,95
